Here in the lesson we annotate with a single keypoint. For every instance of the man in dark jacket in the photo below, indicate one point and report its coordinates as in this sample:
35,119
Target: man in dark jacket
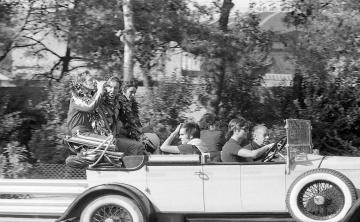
86,97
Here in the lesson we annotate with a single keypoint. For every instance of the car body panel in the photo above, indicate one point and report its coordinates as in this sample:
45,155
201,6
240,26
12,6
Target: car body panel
263,187
222,189
349,166
136,178
181,183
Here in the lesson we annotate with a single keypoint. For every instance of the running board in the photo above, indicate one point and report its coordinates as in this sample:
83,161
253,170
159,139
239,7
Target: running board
239,219
222,217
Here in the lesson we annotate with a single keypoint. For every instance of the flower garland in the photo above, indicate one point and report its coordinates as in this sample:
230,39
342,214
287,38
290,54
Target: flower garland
115,113
129,115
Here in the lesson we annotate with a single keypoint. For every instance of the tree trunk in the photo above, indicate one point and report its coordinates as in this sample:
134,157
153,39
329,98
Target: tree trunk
66,61
146,78
220,77
128,39
225,13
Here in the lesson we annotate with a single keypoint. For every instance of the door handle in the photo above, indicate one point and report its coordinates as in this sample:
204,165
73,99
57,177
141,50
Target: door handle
202,175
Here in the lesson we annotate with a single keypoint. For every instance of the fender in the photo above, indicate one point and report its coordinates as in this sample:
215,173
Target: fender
354,213
76,207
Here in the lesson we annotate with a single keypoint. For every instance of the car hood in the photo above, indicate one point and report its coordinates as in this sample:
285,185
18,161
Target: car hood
341,163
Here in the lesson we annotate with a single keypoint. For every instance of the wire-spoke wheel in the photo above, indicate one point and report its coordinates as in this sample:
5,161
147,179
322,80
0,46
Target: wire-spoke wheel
320,195
111,208
321,200
111,213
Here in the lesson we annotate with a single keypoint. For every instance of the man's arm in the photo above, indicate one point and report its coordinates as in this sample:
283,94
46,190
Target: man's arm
95,101
253,153
166,146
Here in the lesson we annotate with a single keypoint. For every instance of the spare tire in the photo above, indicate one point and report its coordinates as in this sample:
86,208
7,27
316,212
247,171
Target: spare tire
320,195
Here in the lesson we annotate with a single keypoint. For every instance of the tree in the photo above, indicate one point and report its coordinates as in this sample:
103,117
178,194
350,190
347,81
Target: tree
327,59
159,24
128,40
235,58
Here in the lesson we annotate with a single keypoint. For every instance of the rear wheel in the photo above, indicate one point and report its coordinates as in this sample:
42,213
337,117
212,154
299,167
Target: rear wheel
111,208
320,195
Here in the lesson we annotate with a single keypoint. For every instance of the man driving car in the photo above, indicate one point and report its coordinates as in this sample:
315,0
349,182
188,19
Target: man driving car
234,149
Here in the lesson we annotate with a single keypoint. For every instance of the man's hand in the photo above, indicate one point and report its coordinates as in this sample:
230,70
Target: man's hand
268,146
177,130
100,86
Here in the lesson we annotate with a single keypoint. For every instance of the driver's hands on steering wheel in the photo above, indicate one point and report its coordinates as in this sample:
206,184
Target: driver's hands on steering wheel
274,149
269,145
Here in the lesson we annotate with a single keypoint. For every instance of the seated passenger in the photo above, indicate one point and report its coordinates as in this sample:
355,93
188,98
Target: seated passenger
236,148
189,134
212,136
87,95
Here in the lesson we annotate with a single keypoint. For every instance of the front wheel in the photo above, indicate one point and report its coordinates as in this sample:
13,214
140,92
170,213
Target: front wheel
111,208
320,195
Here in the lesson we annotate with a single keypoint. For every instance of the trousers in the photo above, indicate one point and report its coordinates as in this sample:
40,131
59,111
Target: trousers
123,144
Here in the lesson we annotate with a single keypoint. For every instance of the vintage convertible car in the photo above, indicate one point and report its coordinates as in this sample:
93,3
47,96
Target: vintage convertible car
285,184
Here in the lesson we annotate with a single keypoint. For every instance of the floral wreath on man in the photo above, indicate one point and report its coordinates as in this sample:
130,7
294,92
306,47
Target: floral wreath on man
116,115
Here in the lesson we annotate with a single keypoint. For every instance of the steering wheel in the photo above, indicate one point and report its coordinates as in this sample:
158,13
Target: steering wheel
277,147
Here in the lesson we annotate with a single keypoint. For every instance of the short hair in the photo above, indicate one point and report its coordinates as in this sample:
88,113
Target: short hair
114,79
128,84
257,127
207,120
237,124
192,129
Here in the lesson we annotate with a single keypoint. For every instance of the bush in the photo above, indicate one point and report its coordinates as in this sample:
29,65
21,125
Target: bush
13,161
334,110
162,109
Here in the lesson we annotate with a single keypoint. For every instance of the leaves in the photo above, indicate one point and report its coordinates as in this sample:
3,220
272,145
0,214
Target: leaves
327,58
13,162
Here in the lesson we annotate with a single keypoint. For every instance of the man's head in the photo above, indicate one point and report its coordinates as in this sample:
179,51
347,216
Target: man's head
83,84
129,89
238,127
113,86
260,134
207,121
188,132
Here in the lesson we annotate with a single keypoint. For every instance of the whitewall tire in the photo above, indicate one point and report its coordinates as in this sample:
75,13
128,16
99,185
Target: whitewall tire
320,195
111,208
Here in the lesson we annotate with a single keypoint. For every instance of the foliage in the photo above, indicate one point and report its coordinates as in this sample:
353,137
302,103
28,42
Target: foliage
13,162
235,59
158,23
163,108
327,58
47,145
334,110
47,141
18,117
88,33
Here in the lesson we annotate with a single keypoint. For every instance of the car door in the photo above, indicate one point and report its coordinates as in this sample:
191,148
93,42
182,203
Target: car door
175,185
244,187
263,187
222,187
